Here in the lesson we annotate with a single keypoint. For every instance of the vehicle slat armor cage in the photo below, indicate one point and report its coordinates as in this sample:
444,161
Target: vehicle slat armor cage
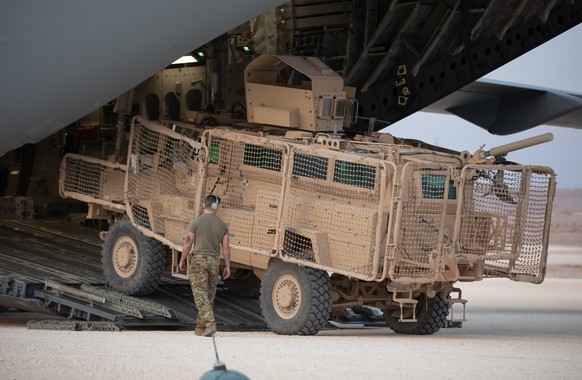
312,206
247,171
163,181
422,227
503,221
333,215
92,180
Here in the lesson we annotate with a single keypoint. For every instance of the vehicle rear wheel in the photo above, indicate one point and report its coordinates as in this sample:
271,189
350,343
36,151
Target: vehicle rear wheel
132,263
431,315
295,300
244,283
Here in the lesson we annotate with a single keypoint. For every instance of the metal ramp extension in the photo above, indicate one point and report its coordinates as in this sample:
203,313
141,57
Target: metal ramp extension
102,310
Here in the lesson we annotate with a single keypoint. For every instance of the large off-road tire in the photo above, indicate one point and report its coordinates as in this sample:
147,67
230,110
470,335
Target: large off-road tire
132,263
295,300
431,315
244,283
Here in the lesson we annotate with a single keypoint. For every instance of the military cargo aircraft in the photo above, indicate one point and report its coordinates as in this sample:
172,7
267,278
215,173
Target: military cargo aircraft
64,59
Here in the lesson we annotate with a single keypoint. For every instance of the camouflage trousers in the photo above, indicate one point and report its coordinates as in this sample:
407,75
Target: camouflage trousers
203,275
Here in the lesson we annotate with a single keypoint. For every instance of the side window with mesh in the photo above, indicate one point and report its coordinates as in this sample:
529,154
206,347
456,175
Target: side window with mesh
433,187
349,173
214,152
147,142
310,166
262,157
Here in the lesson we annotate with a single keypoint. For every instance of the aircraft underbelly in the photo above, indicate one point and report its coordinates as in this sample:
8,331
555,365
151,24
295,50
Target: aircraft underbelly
64,59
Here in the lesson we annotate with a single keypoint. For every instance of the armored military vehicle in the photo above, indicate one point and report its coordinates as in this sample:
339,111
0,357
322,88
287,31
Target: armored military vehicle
319,220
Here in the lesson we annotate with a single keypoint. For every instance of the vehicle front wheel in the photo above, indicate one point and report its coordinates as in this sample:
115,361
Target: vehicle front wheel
295,300
132,262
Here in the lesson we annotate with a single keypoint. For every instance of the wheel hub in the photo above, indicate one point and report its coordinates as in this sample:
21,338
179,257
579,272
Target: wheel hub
125,257
286,296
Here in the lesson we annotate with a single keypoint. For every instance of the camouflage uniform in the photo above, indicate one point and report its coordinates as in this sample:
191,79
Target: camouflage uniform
204,264
203,272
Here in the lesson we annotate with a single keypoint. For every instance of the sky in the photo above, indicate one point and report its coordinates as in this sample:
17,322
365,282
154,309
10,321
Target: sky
557,64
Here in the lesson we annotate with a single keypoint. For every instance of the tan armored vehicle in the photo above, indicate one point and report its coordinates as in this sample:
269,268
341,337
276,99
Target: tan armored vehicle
325,222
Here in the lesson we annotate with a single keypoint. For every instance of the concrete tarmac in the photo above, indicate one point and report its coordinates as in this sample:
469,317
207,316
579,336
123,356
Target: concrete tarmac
514,330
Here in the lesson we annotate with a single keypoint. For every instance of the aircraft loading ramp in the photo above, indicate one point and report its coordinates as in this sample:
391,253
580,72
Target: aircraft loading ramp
49,266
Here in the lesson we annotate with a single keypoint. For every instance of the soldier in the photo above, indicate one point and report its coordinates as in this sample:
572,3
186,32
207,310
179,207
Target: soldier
206,233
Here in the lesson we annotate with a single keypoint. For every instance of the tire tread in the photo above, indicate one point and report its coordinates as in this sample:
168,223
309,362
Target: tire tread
426,324
153,258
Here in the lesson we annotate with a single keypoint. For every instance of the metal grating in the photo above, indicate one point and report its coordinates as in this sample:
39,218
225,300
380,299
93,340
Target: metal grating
163,180
504,217
420,225
331,211
338,211
92,180
246,172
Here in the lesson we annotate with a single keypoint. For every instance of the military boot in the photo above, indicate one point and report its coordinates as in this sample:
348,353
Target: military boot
210,330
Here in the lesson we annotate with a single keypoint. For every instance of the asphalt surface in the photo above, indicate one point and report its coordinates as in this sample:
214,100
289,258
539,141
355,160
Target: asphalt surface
514,330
